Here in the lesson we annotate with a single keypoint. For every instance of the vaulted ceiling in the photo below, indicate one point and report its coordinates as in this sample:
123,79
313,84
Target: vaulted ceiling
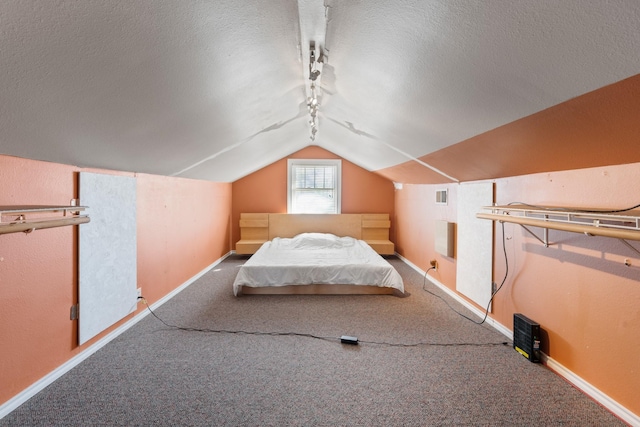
215,90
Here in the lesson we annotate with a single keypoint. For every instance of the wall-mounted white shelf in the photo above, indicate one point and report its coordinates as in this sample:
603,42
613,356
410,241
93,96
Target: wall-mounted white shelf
592,222
27,218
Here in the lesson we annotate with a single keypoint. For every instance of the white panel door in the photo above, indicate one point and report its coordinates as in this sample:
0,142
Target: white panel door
107,267
475,243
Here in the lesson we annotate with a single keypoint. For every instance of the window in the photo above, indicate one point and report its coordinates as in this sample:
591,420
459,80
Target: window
313,186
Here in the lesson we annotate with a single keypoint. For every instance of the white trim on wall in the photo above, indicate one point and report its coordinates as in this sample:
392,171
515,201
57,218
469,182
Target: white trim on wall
617,409
35,388
475,310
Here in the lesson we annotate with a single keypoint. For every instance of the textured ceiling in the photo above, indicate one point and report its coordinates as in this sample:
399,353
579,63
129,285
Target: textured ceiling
218,89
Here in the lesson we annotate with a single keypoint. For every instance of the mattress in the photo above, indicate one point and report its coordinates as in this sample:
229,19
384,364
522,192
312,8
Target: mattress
316,258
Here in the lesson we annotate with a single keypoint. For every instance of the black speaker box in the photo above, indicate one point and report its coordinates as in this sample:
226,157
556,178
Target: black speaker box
526,337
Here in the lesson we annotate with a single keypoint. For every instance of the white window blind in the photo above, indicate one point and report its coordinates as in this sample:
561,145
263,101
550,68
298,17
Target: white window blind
314,186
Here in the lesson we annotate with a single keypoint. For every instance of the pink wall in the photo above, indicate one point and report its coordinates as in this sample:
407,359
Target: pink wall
576,134
183,226
266,189
578,289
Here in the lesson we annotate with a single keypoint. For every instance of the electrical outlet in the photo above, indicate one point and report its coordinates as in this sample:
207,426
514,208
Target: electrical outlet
434,264
139,293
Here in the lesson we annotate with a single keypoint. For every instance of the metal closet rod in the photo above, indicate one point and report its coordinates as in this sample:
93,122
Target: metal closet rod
625,227
22,224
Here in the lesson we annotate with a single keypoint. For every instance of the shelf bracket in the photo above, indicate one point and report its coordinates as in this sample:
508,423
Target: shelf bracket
545,235
630,246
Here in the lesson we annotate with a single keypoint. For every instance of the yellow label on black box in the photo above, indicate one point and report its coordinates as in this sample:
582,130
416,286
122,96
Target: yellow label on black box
522,352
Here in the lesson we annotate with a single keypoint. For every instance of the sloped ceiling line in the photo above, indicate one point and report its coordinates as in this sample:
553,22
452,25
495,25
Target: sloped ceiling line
314,20
349,126
155,86
312,27
273,127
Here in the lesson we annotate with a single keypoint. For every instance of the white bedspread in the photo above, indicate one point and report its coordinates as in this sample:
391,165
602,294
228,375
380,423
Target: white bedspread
316,258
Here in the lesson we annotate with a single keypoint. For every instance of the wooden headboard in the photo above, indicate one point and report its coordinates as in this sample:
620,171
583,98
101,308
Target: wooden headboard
257,228
290,225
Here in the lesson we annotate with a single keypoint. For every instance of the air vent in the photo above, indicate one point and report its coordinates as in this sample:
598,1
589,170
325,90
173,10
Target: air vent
441,197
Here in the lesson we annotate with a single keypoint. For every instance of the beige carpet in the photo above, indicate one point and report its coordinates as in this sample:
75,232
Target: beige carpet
419,364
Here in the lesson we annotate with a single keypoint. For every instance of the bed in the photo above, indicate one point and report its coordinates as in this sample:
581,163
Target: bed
317,263
258,228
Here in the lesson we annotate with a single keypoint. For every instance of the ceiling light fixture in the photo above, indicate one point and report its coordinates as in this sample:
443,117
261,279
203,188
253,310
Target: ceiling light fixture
315,69
313,16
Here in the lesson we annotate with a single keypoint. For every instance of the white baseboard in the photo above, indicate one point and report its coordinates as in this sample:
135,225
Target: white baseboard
618,410
480,313
43,382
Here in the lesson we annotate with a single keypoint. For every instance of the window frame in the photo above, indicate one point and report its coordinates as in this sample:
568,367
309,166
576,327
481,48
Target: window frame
337,163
